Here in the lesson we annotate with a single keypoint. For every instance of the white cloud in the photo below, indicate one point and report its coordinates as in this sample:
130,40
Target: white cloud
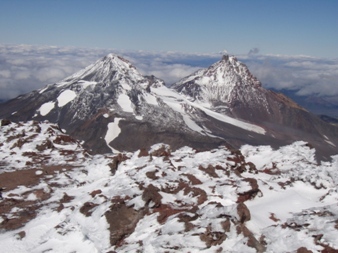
308,75
5,74
22,75
24,68
50,74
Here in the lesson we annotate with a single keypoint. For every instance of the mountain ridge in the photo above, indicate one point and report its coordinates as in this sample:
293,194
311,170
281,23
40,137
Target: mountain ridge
110,106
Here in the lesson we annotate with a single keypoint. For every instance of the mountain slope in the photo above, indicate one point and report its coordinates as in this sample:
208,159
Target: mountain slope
93,103
228,87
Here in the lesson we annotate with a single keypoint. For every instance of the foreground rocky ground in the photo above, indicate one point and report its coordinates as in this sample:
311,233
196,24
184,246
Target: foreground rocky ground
59,198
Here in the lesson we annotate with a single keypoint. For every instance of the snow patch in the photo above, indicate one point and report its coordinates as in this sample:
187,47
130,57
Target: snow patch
65,97
113,132
46,108
125,103
85,84
150,99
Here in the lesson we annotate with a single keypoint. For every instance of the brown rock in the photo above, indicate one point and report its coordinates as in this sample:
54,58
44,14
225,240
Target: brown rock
251,193
192,179
226,225
252,241
64,139
212,238
94,193
87,208
21,235
186,218
152,174
143,152
115,162
5,122
164,212
164,150
150,194
303,250
243,212
66,198
210,170
45,145
122,220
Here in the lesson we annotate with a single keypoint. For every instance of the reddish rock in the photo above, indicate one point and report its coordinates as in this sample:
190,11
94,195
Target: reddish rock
303,250
210,170
66,198
87,208
163,150
143,152
94,193
192,179
251,193
115,162
152,174
164,212
212,238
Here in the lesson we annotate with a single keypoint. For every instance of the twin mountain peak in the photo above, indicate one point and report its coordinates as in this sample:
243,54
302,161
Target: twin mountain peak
111,106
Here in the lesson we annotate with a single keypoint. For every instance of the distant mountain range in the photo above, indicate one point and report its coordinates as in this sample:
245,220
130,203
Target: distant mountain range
110,106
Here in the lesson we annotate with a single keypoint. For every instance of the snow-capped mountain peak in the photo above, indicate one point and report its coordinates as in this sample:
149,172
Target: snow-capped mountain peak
106,70
218,82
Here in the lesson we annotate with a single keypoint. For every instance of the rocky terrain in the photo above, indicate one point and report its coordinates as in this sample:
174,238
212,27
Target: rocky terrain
59,198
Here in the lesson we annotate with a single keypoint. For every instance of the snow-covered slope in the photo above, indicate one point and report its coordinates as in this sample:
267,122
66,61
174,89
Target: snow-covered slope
57,198
219,83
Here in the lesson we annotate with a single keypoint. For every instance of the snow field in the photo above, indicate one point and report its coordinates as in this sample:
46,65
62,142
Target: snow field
113,132
65,97
46,108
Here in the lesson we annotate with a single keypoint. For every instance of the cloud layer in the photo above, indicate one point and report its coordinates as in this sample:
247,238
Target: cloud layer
24,68
307,75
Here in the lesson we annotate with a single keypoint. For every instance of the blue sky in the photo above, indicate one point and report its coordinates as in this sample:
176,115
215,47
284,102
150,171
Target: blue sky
289,27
